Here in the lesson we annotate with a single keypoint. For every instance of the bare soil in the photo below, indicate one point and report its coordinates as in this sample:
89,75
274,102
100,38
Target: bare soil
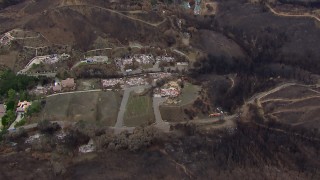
291,92
9,59
294,105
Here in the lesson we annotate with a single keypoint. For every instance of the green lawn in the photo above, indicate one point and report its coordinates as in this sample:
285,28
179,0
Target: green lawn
98,107
189,94
139,111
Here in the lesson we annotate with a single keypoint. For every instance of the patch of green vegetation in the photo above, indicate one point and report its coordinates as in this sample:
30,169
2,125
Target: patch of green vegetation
34,108
138,105
9,80
189,93
20,123
91,107
8,118
138,111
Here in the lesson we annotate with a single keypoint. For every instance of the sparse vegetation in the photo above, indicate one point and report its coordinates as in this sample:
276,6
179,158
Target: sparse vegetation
46,126
237,121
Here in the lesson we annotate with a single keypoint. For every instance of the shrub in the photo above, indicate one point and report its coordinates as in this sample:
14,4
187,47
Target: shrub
20,123
47,127
21,132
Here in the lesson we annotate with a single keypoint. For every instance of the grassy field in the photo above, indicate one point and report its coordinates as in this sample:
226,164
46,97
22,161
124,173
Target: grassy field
139,111
99,107
189,94
88,84
175,113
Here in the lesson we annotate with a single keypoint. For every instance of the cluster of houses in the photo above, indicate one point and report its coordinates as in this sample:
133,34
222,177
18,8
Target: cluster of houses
54,58
59,86
48,59
165,59
6,39
70,85
141,59
95,59
159,76
134,81
171,89
65,85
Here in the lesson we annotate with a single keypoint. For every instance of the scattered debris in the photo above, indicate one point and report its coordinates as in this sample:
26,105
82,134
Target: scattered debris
33,138
87,148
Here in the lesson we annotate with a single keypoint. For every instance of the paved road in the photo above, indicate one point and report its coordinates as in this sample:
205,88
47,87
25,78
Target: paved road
18,119
160,123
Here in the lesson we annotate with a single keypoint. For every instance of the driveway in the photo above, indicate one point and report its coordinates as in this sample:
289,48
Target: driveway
124,102
160,123
18,119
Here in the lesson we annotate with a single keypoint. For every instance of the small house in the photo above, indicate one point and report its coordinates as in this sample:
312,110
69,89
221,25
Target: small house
23,106
68,83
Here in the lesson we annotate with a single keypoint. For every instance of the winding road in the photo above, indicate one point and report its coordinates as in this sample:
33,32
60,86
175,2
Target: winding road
118,13
292,15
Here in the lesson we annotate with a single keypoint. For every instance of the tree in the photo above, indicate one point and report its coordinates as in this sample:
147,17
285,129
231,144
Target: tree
8,118
11,101
34,108
23,96
11,94
9,80
47,127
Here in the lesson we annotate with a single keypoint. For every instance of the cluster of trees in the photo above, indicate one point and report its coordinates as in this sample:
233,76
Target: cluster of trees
9,80
141,138
14,88
10,115
96,71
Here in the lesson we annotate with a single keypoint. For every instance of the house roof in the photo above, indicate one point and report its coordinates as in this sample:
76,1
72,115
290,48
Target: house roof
56,88
69,82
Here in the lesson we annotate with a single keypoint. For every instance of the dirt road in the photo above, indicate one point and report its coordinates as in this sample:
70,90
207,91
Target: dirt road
291,15
118,13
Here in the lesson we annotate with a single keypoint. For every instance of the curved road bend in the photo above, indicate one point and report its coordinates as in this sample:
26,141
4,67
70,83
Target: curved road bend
292,15
164,126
